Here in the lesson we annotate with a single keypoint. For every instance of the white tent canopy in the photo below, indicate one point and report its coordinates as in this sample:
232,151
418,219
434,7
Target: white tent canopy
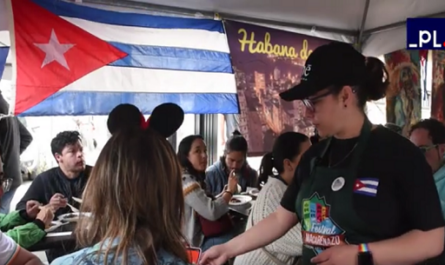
381,22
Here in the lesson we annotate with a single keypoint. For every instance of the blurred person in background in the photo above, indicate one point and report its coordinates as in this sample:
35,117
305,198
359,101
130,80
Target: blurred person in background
429,136
394,127
14,139
10,251
234,160
135,195
284,158
228,123
206,220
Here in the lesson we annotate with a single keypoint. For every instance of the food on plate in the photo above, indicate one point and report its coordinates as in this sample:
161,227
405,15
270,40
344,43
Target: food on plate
70,215
234,200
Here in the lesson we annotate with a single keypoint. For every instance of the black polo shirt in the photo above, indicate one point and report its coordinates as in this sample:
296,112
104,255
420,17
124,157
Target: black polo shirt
407,197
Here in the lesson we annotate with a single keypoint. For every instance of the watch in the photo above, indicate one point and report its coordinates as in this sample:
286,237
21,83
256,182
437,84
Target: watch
364,255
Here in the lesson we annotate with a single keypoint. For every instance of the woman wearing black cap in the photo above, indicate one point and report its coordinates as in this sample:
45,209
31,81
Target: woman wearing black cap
363,196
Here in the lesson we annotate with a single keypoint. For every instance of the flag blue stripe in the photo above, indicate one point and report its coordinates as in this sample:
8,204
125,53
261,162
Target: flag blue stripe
101,103
365,193
66,9
3,55
183,59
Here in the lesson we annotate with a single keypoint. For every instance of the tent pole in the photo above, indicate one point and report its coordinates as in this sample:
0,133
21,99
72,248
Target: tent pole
362,26
399,24
190,12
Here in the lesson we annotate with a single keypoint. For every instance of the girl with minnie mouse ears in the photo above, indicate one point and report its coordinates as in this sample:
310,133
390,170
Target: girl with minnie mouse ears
165,119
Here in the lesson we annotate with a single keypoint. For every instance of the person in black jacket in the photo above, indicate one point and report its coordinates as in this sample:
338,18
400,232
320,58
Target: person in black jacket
14,139
58,186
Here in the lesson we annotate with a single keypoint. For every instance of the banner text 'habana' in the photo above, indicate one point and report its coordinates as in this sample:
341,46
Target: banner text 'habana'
267,47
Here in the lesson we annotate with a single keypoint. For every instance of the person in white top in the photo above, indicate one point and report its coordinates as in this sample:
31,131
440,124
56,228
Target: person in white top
284,158
10,252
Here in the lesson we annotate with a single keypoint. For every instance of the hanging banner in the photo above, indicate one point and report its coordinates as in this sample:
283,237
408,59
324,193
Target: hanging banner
72,59
266,62
403,99
437,93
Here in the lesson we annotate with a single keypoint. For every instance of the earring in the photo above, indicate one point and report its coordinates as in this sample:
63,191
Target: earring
346,106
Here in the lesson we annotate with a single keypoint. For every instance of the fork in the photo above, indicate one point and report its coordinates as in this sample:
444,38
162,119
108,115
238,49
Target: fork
74,209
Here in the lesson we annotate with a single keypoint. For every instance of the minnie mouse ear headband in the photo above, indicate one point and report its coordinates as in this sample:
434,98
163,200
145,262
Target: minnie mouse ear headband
165,118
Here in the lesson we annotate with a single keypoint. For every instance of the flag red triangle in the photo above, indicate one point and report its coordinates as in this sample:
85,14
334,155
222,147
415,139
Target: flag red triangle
358,185
51,53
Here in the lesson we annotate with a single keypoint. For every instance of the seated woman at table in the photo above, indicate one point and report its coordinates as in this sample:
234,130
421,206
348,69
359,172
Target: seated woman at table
233,160
201,210
286,154
135,198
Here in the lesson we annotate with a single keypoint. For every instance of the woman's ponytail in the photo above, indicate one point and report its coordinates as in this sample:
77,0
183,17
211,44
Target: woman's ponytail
266,168
376,80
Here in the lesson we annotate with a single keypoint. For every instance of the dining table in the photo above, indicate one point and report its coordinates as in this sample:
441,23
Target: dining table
61,238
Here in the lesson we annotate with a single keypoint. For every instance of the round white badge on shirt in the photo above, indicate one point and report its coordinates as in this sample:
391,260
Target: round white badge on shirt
338,183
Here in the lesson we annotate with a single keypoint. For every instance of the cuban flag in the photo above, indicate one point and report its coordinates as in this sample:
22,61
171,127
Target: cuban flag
366,186
70,59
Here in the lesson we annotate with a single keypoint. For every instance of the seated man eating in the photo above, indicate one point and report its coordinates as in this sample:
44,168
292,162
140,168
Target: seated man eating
56,187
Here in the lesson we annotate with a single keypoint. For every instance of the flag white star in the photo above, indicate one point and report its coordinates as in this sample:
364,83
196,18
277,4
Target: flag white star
54,51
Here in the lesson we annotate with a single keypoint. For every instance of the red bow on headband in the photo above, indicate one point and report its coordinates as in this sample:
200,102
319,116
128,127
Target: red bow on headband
144,123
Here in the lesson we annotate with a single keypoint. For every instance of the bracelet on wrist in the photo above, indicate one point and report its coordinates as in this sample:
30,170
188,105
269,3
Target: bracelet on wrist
362,248
229,192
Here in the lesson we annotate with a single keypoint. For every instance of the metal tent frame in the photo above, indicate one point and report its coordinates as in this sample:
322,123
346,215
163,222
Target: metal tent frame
359,36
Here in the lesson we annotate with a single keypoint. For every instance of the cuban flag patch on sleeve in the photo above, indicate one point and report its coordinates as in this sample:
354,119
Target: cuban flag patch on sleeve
366,186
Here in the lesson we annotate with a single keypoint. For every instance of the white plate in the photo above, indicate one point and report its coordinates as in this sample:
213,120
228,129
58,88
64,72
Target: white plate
54,226
72,217
253,192
238,200
77,200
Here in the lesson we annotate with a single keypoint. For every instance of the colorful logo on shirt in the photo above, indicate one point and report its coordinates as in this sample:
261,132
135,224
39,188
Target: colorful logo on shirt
318,229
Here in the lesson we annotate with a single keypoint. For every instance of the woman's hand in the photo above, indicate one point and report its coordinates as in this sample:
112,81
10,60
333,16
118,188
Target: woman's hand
232,184
45,215
216,255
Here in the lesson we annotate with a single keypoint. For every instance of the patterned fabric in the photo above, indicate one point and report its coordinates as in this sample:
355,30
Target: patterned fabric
89,256
437,93
403,98
285,248
197,201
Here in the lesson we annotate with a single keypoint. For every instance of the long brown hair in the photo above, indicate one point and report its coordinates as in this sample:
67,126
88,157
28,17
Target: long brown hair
135,196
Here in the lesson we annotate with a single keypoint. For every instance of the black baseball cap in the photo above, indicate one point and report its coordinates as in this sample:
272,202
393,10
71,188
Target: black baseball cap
333,64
